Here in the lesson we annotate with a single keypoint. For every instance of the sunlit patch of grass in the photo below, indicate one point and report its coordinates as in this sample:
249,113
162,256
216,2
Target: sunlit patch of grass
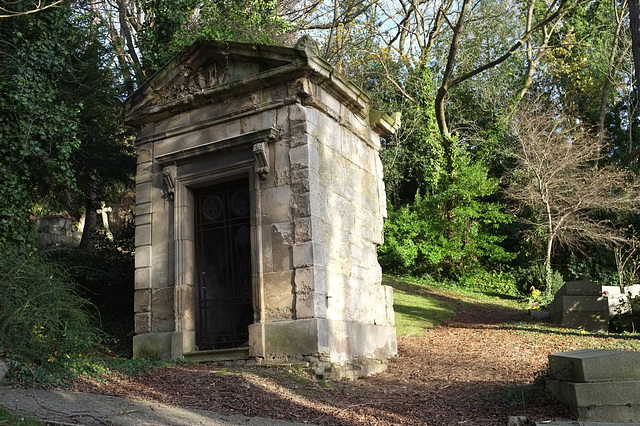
543,333
415,310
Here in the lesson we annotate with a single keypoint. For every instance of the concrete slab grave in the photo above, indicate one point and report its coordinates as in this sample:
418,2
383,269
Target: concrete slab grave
581,304
259,211
598,385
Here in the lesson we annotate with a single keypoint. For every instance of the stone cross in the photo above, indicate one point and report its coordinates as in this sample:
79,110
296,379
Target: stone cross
103,211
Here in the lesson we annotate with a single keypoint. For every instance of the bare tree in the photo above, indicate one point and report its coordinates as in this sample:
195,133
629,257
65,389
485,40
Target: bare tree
558,180
9,9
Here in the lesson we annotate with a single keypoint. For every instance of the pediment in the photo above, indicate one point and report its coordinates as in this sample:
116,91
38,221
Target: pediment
208,72
203,68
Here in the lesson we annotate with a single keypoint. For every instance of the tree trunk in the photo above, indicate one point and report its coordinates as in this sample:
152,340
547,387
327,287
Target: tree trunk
547,263
91,217
634,20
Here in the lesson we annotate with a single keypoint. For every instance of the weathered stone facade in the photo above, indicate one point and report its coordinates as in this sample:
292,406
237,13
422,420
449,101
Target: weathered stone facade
306,144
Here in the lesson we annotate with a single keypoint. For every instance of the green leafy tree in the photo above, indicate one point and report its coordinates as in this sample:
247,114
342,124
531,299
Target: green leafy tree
146,34
105,157
419,239
38,127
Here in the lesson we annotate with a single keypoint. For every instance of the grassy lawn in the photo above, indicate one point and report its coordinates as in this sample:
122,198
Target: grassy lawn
415,310
420,306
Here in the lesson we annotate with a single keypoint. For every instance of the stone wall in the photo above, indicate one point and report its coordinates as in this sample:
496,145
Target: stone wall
57,229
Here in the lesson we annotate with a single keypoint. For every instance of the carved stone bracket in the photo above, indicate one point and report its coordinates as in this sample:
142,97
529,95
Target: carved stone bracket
169,174
261,154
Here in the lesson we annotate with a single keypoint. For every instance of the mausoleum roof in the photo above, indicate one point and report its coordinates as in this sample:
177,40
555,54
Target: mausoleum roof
209,71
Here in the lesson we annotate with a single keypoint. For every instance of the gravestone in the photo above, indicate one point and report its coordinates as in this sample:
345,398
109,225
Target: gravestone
598,385
581,304
259,211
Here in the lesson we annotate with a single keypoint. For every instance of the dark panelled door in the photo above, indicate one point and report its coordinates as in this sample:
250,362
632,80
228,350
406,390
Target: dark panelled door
223,262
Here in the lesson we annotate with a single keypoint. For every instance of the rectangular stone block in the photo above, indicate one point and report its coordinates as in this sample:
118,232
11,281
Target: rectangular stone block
143,257
297,113
595,365
280,242
584,312
152,345
143,211
143,235
142,301
143,192
310,279
309,204
142,278
278,295
206,113
162,265
142,322
608,415
353,339
284,338
308,254
276,204
162,304
601,401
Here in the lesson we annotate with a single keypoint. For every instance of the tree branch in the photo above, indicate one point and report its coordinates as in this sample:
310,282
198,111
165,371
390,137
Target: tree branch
6,13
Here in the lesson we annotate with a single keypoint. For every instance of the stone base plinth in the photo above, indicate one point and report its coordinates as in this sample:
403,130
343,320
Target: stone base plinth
334,349
152,345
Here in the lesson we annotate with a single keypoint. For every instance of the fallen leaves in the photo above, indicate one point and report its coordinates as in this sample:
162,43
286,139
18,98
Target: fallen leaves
472,370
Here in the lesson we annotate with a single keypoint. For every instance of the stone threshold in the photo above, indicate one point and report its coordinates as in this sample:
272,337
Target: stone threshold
219,355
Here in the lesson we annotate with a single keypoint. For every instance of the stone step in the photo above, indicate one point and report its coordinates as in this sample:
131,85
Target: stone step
218,355
595,365
600,401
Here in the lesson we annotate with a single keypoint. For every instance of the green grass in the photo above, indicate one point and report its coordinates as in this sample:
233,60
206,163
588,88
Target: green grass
415,310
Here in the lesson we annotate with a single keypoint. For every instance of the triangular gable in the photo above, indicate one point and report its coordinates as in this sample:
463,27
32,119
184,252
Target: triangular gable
207,67
207,71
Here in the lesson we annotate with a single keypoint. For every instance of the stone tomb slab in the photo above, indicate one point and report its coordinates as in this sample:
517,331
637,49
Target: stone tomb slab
580,304
595,365
598,385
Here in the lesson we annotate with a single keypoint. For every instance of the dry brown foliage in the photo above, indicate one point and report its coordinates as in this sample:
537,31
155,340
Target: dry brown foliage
473,370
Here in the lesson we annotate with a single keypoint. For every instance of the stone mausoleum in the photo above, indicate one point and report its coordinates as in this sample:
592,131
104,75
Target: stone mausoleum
259,211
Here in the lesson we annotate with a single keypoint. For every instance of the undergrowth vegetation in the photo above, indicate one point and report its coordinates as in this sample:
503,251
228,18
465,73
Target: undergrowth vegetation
68,312
42,318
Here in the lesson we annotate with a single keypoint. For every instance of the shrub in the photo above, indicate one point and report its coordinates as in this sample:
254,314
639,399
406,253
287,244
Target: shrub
420,239
531,279
104,275
41,316
498,282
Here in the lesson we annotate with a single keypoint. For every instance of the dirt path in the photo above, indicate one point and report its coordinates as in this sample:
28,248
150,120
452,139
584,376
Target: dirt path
472,370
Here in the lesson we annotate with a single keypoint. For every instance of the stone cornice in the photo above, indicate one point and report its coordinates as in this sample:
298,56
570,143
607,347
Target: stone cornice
150,102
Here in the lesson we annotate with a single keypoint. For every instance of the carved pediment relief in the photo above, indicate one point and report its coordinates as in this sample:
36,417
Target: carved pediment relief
189,82
208,70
